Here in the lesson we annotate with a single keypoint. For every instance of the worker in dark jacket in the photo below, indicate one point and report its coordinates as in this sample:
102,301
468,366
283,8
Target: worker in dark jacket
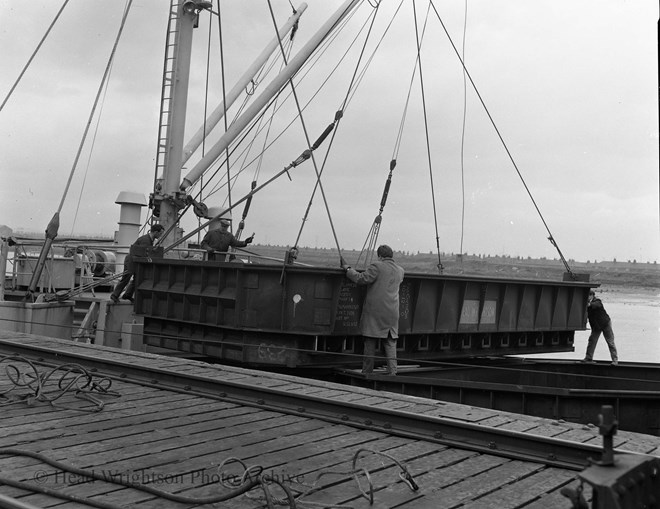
220,240
599,321
380,313
136,249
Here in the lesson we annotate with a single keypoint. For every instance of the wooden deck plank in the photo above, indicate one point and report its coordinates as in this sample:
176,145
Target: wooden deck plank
174,428
518,425
80,437
339,460
383,474
556,499
198,447
549,429
143,454
466,469
370,400
44,411
335,453
100,420
496,421
473,487
460,412
329,460
334,460
486,482
244,451
170,432
147,459
225,371
23,465
394,404
525,491
426,471
388,438
46,502
577,434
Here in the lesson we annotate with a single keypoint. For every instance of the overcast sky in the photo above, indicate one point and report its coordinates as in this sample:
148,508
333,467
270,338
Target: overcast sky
571,85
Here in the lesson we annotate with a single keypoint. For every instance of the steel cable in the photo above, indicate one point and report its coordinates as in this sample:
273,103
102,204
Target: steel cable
504,144
73,378
34,54
426,131
93,475
251,478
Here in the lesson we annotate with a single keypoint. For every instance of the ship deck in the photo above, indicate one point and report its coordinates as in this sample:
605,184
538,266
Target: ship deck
175,425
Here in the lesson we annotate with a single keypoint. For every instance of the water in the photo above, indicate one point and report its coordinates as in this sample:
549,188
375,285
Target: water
635,317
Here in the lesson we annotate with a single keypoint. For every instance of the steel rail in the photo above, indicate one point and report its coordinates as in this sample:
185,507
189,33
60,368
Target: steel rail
483,439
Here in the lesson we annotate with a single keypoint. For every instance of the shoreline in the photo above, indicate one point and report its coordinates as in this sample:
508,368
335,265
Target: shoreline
646,291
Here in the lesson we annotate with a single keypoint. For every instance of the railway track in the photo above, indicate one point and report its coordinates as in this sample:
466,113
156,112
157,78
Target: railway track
464,435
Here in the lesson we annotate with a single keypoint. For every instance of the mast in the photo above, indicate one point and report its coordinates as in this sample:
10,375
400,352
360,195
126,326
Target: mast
168,201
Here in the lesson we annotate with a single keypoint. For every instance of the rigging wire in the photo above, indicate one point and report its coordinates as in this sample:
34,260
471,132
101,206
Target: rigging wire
254,125
302,158
89,158
375,50
308,65
465,16
258,130
204,123
257,171
224,98
235,146
370,242
426,131
231,181
245,152
91,150
504,144
338,116
96,101
311,147
34,54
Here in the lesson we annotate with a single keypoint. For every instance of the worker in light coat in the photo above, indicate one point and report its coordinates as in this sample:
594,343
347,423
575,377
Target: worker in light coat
380,312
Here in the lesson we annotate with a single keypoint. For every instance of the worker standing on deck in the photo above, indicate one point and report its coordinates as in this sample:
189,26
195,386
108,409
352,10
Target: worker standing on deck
599,321
221,239
380,313
145,241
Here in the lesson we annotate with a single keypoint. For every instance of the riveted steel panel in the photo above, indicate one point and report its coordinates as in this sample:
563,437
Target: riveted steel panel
439,315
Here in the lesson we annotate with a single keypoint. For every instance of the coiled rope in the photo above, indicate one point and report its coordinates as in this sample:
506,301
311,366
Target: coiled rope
73,378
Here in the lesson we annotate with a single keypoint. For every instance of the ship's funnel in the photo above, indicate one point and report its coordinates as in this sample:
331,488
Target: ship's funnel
129,223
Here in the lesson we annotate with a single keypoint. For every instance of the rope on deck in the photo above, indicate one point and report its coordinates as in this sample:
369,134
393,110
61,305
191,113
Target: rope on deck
66,378
251,478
